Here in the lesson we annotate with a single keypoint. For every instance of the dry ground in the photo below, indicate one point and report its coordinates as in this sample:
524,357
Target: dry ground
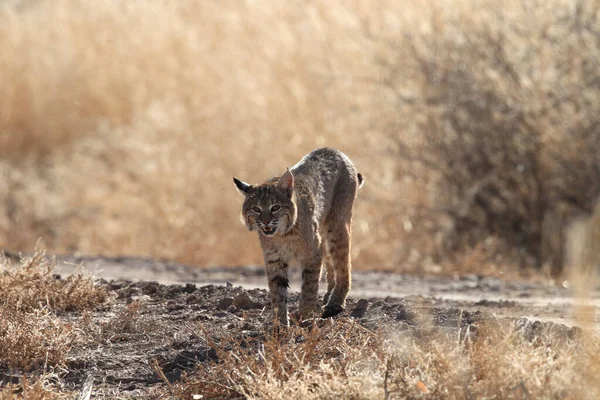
124,339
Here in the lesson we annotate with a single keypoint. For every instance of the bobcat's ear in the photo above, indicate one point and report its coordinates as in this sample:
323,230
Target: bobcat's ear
286,182
242,187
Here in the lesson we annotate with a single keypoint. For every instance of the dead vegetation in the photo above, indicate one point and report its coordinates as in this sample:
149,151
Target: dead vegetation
157,341
506,126
31,285
122,123
42,388
343,359
33,338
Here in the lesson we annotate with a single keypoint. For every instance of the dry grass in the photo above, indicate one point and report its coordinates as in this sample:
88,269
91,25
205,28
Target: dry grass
121,123
343,359
422,358
31,285
33,340
34,389
32,336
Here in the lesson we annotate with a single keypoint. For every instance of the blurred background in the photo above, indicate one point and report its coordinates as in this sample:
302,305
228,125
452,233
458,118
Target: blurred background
475,123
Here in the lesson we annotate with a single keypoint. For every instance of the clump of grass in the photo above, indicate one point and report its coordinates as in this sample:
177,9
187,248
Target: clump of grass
344,359
32,285
33,339
125,322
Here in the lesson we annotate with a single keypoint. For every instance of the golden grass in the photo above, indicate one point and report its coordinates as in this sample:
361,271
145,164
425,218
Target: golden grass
122,122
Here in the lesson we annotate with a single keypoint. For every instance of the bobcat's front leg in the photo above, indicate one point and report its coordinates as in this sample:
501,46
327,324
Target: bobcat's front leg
311,272
277,273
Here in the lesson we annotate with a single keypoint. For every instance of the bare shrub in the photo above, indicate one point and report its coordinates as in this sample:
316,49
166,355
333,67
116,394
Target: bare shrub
505,125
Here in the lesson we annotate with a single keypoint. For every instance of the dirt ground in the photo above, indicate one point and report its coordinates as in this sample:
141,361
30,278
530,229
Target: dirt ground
164,312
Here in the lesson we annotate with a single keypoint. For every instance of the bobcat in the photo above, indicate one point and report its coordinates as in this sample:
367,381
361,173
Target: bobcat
305,216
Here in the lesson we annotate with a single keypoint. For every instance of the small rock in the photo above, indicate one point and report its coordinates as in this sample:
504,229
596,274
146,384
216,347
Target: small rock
150,288
220,314
174,290
471,277
144,298
360,309
232,309
189,288
248,327
192,298
405,315
229,284
224,303
244,302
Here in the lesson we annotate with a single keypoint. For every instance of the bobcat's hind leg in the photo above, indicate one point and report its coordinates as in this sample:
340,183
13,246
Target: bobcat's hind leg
329,271
339,250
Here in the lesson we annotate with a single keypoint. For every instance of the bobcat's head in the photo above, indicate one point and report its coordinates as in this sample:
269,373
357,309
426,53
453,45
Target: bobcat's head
269,208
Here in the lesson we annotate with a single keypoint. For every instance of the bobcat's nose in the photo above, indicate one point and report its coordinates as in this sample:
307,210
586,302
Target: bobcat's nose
265,218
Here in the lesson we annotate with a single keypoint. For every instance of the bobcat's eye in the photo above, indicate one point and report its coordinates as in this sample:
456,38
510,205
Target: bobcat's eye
256,210
276,207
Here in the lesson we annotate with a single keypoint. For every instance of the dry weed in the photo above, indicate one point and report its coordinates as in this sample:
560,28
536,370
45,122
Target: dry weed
32,285
343,359
41,388
33,339
127,321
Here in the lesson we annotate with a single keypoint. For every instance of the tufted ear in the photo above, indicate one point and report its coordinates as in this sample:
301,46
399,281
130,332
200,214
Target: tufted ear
286,182
242,187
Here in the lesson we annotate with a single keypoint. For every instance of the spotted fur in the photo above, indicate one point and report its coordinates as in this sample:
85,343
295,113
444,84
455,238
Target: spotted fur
305,216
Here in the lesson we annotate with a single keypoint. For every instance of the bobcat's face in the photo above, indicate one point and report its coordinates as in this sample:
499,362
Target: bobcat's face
269,208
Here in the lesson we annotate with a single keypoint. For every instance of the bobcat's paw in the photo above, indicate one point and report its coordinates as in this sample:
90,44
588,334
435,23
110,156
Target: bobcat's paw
332,310
308,312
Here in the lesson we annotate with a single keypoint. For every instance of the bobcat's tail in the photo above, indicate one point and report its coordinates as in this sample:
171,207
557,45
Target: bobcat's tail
361,180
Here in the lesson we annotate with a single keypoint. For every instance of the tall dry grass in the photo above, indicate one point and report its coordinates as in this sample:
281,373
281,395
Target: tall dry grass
122,122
